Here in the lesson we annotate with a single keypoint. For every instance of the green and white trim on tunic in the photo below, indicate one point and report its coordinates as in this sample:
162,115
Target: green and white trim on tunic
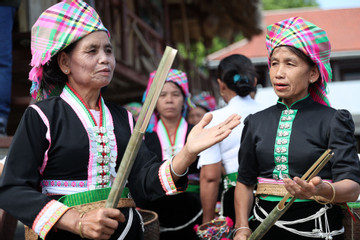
282,141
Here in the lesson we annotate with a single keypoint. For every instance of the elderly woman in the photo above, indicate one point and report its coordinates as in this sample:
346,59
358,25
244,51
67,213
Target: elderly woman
72,141
279,144
236,76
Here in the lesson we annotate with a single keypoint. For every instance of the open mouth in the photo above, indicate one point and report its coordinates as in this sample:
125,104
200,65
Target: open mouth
280,86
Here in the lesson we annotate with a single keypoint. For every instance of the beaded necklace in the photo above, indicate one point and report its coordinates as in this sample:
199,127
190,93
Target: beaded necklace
101,141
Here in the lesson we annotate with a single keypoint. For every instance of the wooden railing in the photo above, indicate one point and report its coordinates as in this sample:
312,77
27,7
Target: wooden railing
138,47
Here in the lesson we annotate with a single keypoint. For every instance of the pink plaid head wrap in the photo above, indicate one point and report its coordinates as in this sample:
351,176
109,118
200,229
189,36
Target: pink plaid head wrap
57,27
311,40
175,76
205,100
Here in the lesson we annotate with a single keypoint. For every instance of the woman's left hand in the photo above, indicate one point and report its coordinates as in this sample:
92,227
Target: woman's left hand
200,138
304,190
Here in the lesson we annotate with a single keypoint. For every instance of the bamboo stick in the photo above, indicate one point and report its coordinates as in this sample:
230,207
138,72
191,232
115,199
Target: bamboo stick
281,208
140,127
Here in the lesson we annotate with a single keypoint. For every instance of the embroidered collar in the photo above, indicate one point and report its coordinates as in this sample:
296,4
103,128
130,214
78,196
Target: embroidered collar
102,142
296,105
171,147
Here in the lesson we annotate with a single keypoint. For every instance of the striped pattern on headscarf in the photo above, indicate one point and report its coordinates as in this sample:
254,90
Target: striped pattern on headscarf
181,80
57,27
311,40
205,100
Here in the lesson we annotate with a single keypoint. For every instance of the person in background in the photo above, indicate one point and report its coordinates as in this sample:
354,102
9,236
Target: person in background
280,143
7,15
71,141
169,128
134,108
204,103
236,76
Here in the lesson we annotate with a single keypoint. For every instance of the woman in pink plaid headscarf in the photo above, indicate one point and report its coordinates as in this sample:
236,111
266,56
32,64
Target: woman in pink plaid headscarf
282,142
204,102
69,145
166,136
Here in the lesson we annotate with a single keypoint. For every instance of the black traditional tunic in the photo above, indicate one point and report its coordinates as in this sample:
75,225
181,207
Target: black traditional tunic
281,142
56,151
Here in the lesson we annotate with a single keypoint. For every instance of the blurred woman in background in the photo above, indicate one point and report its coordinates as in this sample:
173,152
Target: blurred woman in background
204,103
169,128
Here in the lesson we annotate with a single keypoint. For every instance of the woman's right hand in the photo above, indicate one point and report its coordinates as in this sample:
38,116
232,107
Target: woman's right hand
100,223
96,224
242,234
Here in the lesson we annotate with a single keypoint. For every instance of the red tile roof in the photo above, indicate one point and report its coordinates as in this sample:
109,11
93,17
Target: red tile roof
341,25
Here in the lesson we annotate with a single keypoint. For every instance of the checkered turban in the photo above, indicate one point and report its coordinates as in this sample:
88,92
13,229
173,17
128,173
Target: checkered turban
311,40
175,76
57,27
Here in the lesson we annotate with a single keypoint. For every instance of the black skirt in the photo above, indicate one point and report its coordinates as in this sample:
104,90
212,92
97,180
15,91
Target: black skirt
299,210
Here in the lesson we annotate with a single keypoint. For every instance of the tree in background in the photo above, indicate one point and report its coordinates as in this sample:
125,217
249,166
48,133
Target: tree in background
284,4
198,51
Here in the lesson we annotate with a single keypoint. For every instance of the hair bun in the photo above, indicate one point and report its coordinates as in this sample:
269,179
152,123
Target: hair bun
238,77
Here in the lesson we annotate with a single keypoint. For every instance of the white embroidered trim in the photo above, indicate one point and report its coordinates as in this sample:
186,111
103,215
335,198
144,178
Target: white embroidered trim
47,135
166,179
95,179
48,216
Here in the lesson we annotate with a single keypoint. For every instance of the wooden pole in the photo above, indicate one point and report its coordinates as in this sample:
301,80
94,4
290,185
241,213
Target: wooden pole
281,208
140,127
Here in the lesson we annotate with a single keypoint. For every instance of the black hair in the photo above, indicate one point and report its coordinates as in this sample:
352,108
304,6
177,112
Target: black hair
238,73
52,74
205,108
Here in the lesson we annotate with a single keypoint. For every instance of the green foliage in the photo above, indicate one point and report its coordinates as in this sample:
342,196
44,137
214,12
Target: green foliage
198,51
284,4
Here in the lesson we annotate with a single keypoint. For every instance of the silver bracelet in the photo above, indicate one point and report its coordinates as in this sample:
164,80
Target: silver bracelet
239,228
178,175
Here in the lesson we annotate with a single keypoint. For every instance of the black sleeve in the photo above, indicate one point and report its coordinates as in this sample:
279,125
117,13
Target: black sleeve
144,178
19,183
248,165
153,143
345,163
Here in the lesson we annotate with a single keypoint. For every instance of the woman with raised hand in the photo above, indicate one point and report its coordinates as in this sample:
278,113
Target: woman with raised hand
166,135
68,145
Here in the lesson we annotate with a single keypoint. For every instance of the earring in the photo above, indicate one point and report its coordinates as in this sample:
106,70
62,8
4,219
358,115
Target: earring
311,81
66,71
